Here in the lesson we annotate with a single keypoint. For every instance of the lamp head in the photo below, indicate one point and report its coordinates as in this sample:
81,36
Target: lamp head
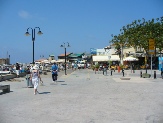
39,33
68,44
27,34
61,46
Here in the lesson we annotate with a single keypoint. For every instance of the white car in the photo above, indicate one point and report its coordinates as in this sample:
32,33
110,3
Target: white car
5,72
82,65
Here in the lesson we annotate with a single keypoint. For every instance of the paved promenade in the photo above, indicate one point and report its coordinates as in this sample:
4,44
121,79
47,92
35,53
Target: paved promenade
85,97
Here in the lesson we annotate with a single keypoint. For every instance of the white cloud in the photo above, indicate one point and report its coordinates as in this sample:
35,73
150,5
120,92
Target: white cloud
24,14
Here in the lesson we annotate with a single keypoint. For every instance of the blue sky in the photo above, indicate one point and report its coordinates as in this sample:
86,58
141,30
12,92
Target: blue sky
84,24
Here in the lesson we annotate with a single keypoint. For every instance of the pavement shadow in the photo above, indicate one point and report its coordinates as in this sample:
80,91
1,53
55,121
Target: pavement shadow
1,93
56,82
63,84
44,92
60,81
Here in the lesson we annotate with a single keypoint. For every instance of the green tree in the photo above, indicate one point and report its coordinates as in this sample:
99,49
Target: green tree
138,33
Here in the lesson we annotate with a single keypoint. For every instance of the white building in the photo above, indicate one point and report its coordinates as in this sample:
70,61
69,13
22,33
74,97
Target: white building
106,54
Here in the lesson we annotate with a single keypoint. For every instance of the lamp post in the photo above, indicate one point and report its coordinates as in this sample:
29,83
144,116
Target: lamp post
9,58
64,45
109,57
33,37
121,54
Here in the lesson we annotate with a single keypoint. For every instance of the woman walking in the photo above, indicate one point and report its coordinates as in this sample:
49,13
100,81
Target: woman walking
35,76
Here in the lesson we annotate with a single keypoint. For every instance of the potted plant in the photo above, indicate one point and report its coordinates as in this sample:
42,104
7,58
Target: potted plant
110,64
121,66
93,67
97,67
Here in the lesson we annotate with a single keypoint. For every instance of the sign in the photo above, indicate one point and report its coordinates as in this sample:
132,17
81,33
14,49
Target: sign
93,51
151,46
160,59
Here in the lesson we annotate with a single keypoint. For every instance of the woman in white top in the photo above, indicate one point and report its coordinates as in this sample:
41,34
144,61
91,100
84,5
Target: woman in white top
35,76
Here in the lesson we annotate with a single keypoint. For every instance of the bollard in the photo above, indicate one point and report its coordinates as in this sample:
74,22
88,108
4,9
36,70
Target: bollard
140,74
123,72
111,72
162,73
154,74
119,69
106,72
103,70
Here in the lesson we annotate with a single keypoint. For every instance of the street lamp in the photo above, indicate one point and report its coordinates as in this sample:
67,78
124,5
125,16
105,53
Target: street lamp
33,37
109,57
65,53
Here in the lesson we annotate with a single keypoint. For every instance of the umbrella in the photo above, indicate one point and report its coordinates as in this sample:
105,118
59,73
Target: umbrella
130,59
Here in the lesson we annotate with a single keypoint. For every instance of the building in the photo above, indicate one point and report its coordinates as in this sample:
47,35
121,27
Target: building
106,54
61,57
76,57
4,61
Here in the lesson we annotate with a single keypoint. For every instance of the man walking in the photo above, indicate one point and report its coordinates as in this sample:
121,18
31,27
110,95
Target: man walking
17,69
54,72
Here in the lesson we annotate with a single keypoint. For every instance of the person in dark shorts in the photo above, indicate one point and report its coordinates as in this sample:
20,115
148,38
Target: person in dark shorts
17,69
54,71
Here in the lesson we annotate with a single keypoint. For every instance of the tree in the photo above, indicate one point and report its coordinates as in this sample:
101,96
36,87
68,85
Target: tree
138,33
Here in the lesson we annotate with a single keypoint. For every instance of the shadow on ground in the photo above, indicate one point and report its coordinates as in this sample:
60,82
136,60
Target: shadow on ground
1,93
44,92
60,81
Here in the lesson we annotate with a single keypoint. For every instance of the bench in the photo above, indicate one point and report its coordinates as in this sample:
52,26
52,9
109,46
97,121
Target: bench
5,88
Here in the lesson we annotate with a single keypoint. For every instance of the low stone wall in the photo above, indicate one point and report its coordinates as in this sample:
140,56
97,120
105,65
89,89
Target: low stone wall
10,76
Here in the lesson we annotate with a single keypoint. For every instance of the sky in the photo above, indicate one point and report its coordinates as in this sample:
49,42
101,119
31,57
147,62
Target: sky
84,24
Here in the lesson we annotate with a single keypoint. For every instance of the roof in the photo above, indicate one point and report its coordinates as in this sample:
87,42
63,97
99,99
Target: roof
51,55
75,55
64,54
40,60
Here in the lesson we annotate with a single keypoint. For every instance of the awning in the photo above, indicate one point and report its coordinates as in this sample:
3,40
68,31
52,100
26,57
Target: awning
130,58
60,60
114,58
100,58
45,61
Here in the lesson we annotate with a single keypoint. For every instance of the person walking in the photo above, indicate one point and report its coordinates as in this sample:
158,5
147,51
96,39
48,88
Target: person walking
72,65
75,66
79,66
133,67
17,69
35,76
28,74
54,71
105,69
